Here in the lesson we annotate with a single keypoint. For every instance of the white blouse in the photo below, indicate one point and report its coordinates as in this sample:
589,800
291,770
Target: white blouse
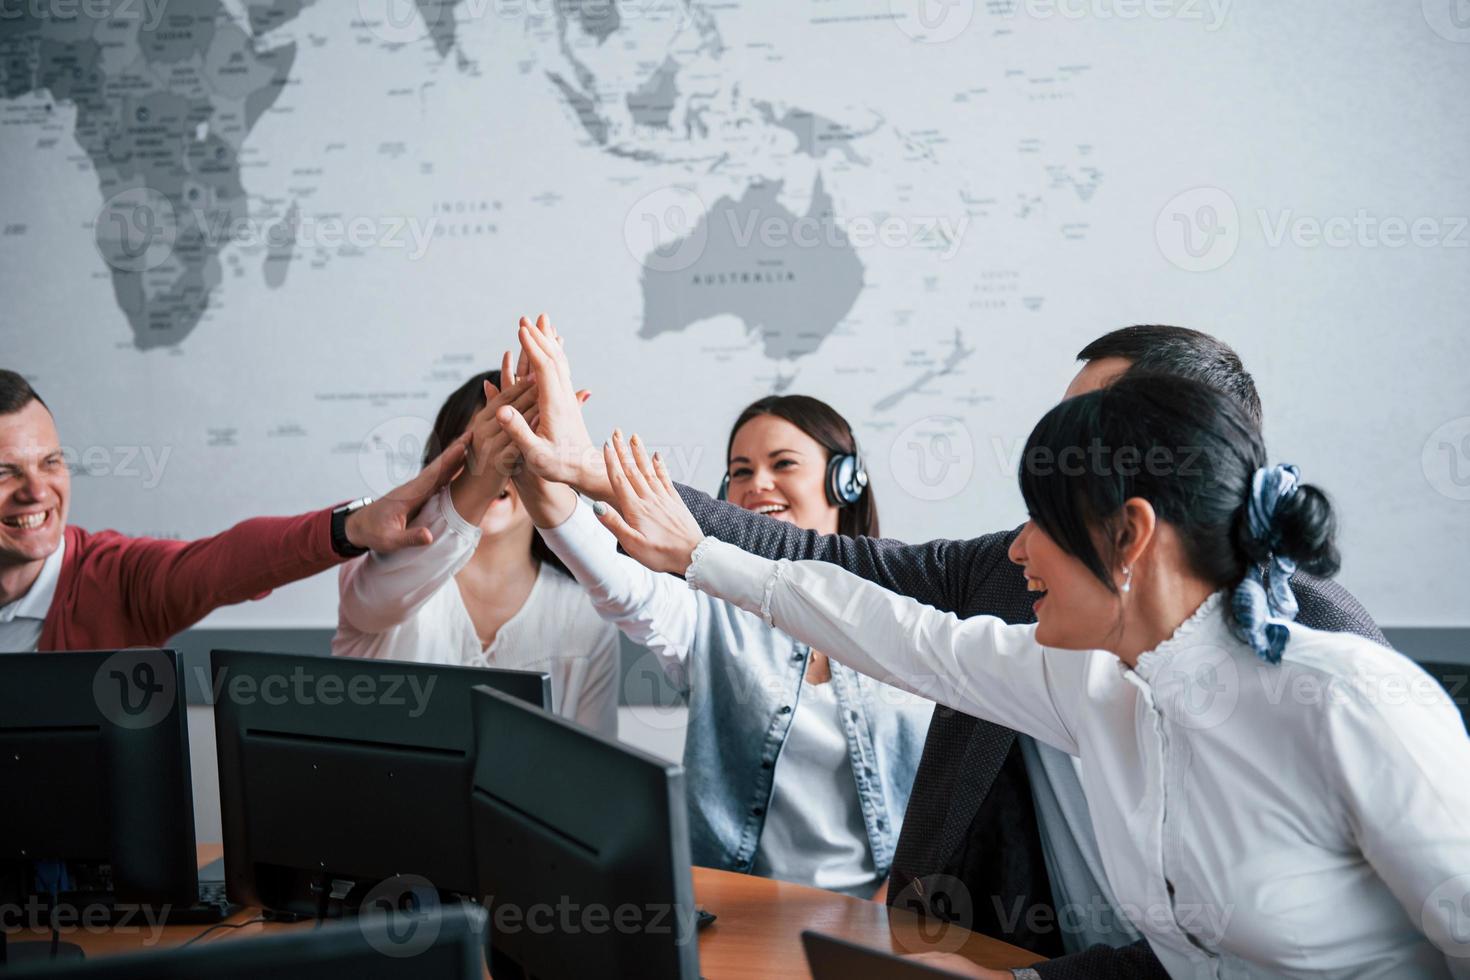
1309,819
407,606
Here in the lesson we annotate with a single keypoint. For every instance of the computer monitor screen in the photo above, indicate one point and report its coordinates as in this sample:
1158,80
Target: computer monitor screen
337,774
94,769
582,851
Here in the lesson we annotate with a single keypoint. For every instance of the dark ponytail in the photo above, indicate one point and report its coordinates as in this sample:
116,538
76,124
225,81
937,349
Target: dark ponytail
1306,532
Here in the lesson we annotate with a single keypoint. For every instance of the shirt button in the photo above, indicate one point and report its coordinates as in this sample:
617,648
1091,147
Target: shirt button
853,715
882,824
868,771
756,811
785,710
765,763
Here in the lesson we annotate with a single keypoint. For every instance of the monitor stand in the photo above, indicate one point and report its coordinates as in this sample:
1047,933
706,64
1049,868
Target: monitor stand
31,952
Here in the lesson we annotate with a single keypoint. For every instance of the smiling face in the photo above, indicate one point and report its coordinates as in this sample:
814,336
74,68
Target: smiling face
1074,611
35,487
778,470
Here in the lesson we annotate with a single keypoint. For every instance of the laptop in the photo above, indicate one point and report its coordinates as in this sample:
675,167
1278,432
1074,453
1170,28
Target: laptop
837,959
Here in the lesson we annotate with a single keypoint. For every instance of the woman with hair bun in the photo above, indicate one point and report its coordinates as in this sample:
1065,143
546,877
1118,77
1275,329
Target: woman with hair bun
1268,799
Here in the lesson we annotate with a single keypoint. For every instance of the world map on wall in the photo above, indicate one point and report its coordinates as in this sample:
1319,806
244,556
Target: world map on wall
167,97
247,247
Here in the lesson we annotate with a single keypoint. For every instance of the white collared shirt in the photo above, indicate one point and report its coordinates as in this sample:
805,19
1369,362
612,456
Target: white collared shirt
1308,819
407,606
21,620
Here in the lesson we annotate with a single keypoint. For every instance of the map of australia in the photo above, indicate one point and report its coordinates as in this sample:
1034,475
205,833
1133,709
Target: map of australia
789,278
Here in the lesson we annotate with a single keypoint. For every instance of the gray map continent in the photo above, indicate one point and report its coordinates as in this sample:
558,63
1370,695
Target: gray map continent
652,103
791,287
163,111
815,135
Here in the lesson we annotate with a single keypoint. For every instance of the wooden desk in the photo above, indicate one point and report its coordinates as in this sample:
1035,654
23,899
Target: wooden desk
757,934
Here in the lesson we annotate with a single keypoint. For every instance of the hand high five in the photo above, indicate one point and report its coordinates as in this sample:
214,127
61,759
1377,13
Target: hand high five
556,446
648,517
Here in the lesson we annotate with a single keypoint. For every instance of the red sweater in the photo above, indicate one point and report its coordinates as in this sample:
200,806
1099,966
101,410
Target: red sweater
116,591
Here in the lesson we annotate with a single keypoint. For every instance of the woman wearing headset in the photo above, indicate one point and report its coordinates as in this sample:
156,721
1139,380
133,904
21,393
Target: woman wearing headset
798,768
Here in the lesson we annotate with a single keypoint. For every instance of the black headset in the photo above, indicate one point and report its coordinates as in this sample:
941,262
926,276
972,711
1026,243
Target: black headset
847,478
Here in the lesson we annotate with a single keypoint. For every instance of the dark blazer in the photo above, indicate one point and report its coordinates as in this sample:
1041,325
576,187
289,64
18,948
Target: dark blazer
970,848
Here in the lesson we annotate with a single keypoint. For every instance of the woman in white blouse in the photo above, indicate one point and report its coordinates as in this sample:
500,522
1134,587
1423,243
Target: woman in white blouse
486,592
1269,800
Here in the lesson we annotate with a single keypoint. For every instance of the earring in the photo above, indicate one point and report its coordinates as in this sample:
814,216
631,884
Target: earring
1127,579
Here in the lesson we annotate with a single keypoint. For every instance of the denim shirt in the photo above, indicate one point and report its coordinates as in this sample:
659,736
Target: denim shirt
743,680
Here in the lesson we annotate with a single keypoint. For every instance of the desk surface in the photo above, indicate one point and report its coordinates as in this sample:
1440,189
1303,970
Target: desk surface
757,934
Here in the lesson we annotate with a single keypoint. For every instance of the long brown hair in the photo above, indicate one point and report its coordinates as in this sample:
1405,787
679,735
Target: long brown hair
822,422
453,418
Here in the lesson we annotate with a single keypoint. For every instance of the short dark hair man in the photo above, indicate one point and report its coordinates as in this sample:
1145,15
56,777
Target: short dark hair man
63,588
997,824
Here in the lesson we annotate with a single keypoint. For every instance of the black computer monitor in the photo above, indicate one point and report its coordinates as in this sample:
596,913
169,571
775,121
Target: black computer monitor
94,771
443,943
831,958
336,774
582,851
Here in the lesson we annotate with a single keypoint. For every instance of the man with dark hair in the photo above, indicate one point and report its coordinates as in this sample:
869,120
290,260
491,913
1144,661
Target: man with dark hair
1174,350
997,835
63,588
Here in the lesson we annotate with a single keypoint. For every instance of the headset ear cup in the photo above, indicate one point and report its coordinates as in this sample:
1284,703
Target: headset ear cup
844,483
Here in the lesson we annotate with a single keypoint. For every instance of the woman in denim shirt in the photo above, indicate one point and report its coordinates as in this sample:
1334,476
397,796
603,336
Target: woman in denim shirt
797,768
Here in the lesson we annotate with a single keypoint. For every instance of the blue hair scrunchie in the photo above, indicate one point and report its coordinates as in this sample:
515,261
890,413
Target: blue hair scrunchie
1258,599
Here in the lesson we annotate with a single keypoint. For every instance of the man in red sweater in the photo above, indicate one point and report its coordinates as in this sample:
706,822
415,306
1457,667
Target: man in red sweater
63,588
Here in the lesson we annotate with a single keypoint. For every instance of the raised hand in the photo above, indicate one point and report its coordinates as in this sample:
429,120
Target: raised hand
492,456
557,448
383,525
647,516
